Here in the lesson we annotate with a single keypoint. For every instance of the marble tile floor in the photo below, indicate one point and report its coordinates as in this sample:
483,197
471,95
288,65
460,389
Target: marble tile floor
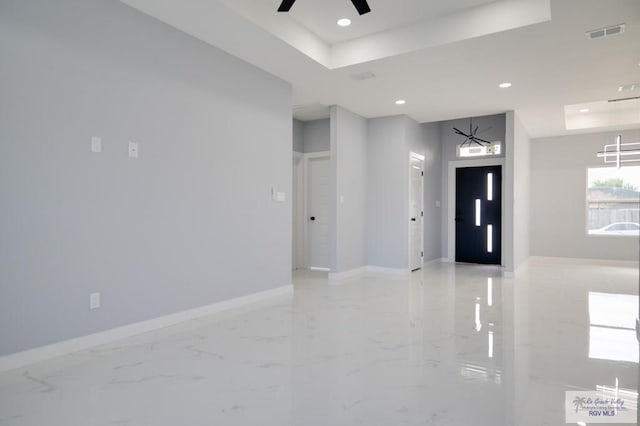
449,345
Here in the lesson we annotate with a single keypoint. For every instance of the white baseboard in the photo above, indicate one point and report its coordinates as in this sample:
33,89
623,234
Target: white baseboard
580,260
351,273
438,260
43,353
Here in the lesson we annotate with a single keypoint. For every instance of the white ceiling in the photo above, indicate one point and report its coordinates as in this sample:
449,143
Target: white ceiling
321,17
445,61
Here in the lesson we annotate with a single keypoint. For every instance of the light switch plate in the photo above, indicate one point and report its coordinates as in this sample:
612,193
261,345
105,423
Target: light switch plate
96,144
133,150
438,203
94,300
281,197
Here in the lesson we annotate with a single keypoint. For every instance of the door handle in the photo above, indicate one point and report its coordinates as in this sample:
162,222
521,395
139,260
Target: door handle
312,218
413,219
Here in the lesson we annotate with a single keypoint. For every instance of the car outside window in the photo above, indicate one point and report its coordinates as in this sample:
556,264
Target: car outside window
613,201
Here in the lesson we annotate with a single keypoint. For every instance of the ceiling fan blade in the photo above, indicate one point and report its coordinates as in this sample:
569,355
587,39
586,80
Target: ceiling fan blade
483,140
361,6
285,6
475,130
460,132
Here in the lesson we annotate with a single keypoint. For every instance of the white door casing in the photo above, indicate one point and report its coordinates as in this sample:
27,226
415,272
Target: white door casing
451,204
318,192
297,213
416,213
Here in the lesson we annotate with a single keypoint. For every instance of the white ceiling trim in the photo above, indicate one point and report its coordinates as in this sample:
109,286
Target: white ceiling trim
263,14
475,22
207,20
603,115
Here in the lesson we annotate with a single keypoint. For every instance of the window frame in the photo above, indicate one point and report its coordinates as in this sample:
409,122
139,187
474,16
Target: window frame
587,200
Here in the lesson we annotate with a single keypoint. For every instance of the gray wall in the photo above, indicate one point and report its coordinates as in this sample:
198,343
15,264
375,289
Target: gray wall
298,136
508,191
316,135
388,193
558,198
189,223
349,178
521,192
311,136
432,191
491,127
425,139
390,141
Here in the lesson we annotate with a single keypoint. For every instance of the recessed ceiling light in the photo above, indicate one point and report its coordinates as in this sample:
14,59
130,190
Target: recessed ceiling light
505,85
584,110
401,102
344,22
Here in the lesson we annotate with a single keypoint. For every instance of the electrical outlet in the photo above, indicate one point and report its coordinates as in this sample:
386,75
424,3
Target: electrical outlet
133,150
94,300
96,144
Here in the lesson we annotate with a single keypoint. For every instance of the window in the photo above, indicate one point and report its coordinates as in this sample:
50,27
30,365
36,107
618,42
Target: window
463,150
613,201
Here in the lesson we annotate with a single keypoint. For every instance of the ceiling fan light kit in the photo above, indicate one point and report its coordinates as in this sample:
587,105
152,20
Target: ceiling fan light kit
471,136
473,146
361,6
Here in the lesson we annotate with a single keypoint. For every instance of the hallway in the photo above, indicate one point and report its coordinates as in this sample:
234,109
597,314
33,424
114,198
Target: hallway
449,345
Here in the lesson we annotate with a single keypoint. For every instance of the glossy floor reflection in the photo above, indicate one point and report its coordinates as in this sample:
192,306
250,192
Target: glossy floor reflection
451,345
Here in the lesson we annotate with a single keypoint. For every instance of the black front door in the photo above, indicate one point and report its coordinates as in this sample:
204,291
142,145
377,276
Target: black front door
478,214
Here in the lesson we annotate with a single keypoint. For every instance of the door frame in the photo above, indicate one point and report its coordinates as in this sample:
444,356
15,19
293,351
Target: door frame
451,202
305,214
421,158
297,204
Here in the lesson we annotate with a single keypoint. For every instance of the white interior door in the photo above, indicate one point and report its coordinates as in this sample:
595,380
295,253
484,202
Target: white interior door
298,221
318,192
416,215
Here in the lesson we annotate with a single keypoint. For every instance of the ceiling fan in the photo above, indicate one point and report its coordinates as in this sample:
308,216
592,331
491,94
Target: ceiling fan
361,6
471,136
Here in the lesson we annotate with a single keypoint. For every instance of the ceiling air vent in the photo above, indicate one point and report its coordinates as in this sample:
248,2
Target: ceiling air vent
367,75
628,87
605,32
